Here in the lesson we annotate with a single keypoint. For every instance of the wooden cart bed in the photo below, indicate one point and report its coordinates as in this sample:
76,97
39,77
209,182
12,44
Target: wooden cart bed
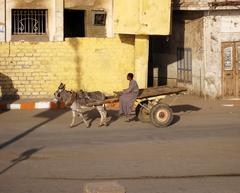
160,90
151,92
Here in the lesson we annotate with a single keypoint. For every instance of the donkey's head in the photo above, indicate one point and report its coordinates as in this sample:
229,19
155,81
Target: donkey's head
59,91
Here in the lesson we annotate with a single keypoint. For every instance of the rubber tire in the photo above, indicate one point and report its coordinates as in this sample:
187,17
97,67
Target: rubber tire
144,115
161,108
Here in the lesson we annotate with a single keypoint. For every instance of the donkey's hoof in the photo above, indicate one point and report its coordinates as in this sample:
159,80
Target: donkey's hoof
88,125
105,123
100,125
71,126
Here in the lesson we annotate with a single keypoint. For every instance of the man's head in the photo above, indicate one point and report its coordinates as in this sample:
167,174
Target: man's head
130,76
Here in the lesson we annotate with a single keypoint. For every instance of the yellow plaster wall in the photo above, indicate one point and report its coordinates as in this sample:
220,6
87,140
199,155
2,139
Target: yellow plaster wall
36,69
142,17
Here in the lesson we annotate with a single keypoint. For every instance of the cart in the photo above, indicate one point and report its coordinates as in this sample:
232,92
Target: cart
148,106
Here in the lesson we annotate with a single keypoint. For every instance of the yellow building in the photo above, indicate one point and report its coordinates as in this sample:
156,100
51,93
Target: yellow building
89,45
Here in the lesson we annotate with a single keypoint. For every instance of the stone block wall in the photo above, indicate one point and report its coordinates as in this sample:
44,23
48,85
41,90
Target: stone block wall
34,70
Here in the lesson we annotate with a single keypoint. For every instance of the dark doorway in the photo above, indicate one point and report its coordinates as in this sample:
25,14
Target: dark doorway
74,25
157,67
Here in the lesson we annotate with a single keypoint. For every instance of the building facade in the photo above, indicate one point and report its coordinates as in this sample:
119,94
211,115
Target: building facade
89,45
203,51
54,20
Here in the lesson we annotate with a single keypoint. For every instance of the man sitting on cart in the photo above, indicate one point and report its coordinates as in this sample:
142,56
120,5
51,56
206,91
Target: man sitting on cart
127,97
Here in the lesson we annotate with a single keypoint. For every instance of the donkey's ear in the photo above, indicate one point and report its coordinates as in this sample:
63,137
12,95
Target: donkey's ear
62,86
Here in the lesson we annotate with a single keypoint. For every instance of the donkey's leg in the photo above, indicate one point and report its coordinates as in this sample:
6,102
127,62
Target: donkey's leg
73,118
103,115
84,120
100,112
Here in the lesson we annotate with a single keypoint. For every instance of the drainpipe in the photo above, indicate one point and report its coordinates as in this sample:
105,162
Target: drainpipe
5,19
205,52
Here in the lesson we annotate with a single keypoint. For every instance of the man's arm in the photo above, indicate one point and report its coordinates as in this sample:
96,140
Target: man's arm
130,88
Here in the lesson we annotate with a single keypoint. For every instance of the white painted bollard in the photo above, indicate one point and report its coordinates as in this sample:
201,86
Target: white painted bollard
103,187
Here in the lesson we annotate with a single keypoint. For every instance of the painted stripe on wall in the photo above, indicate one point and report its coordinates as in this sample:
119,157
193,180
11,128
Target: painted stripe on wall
14,106
42,105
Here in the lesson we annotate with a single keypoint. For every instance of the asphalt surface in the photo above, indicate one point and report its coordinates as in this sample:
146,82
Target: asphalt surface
198,153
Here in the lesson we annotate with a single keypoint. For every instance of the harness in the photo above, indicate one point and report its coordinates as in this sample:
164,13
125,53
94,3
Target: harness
82,97
70,101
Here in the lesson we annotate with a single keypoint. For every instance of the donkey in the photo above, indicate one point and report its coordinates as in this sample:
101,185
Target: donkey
82,101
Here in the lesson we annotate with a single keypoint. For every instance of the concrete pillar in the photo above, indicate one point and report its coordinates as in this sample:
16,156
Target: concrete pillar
8,20
2,21
141,60
109,21
58,28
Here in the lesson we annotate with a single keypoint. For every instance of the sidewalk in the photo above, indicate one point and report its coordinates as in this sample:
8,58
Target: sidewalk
31,104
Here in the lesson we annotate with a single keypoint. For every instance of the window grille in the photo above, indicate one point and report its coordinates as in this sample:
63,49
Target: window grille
184,65
29,21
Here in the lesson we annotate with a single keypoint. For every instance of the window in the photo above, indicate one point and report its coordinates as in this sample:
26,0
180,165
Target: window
228,63
29,21
184,65
99,18
71,27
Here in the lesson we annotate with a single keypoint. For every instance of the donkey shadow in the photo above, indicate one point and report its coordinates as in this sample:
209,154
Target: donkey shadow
93,115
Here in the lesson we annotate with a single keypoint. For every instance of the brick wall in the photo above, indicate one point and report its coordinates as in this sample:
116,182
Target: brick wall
34,70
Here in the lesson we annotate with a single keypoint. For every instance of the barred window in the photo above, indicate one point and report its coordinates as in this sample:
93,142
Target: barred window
184,65
29,21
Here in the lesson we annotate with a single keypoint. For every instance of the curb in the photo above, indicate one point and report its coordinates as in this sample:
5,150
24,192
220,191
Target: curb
31,106
42,105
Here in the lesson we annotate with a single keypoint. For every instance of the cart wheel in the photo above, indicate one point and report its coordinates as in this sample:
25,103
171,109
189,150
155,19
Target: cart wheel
144,115
161,115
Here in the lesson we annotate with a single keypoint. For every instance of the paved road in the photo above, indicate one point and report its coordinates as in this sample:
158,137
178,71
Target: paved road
198,153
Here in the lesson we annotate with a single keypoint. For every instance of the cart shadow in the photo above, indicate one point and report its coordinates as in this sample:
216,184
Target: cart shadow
184,108
176,118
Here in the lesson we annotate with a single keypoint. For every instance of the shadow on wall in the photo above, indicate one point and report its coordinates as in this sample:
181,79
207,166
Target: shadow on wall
127,39
163,52
7,88
76,45
166,52
177,3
